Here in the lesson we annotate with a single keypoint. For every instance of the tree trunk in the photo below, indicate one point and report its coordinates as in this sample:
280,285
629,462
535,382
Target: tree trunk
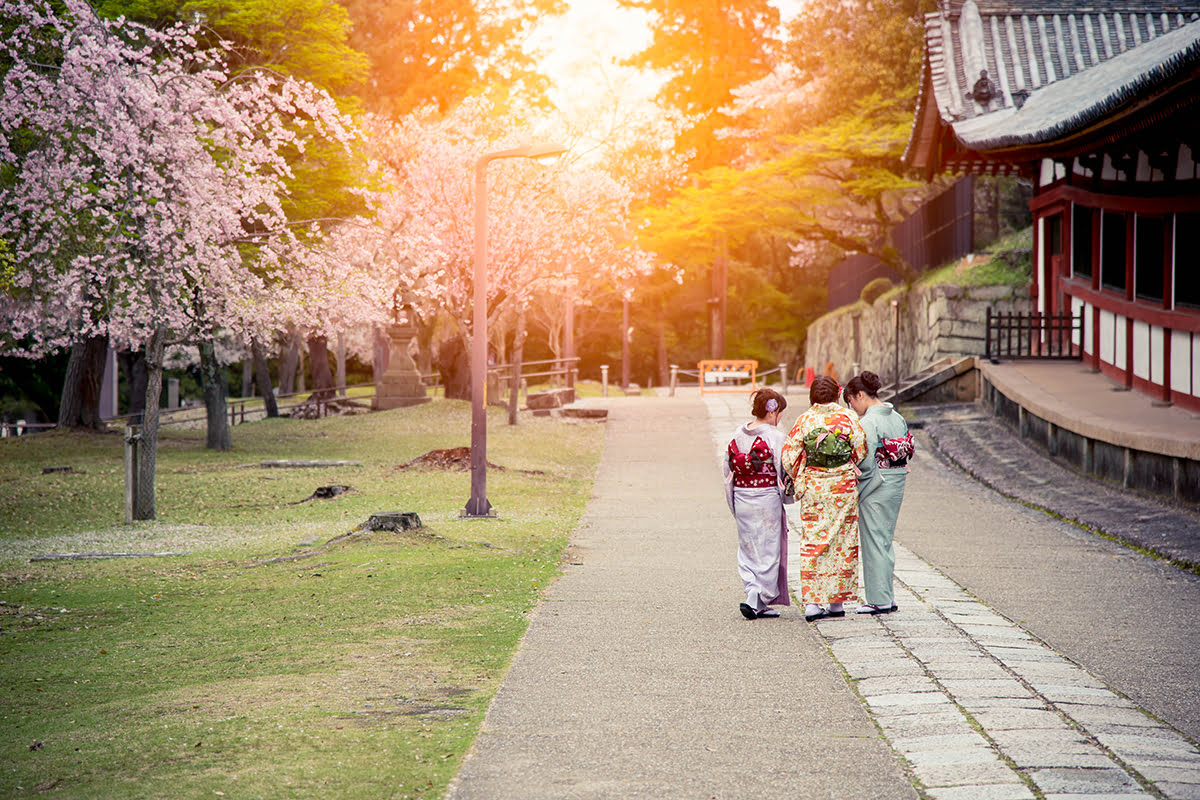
379,360
133,364
518,354
262,374
143,501
341,363
289,358
216,387
247,374
318,360
80,405
454,364
664,369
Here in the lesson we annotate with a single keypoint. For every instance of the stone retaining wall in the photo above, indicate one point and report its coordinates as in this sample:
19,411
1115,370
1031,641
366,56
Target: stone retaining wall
935,322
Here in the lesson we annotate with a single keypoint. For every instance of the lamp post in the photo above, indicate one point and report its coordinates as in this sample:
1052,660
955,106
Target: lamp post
478,505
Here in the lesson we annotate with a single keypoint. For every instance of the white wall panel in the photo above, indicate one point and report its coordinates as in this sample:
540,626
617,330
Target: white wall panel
1120,355
1108,321
1181,362
1141,350
1156,354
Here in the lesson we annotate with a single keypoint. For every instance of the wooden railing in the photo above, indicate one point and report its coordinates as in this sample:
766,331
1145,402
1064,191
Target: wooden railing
1034,335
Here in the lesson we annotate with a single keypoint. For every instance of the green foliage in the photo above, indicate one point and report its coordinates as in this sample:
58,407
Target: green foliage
440,51
833,183
1011,264
842,55
364,669
709,49
8,267
307,39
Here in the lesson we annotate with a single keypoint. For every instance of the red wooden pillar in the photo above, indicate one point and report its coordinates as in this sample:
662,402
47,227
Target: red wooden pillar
1168,285
1130,232
1097,220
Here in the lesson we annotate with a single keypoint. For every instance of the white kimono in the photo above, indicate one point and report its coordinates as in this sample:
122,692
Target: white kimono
758,509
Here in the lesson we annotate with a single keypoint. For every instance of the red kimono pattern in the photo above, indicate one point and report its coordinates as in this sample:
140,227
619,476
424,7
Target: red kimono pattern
828,528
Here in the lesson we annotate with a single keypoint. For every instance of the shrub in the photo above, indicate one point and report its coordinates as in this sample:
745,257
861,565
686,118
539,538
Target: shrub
875,289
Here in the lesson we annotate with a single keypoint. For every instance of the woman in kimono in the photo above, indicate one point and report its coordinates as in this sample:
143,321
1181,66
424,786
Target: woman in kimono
755,492
820,456
880,489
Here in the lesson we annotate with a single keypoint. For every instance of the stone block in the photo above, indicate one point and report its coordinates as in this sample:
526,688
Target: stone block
552,398
1082,781
994,771
995,791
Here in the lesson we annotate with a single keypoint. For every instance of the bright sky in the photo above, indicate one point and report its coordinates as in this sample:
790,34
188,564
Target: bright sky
583,49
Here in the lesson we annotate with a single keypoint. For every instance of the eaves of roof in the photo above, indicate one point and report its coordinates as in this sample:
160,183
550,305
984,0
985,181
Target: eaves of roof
1068,106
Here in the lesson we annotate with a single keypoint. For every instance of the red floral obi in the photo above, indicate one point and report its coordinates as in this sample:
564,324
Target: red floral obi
893,453
754,469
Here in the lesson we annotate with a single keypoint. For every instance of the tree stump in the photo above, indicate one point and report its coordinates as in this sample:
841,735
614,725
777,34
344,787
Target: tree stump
394,521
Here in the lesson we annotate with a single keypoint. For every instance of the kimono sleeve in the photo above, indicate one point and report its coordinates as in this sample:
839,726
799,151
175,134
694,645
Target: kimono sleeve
793,456
858,441
727,474
778,441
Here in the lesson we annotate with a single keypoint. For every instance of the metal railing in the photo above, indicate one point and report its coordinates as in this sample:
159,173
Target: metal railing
1033,335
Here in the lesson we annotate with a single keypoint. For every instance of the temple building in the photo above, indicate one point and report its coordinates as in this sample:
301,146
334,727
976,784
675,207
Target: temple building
1098,104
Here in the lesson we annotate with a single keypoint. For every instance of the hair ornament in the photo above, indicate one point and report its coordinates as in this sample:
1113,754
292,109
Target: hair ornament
772,404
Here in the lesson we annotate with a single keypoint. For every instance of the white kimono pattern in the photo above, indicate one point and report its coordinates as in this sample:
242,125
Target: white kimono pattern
761,520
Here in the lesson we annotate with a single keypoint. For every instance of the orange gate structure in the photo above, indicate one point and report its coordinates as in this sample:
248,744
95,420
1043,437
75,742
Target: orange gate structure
715,373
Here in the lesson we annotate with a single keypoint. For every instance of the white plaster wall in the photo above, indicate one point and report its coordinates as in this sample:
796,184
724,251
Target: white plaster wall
1157,335
1120,356
1182,368
1141,350
1107,323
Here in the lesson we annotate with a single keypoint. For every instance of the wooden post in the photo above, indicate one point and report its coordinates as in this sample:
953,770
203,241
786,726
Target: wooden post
131,470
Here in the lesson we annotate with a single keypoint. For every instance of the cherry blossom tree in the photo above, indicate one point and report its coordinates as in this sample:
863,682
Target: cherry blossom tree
551,228
143,199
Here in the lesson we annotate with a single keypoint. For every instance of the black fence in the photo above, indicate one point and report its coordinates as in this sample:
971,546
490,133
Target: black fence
1035,335
941,230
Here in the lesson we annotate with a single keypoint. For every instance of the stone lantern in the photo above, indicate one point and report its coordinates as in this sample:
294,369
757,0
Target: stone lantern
401,385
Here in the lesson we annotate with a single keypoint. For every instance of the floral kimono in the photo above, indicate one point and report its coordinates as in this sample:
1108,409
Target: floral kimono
820,455
754,491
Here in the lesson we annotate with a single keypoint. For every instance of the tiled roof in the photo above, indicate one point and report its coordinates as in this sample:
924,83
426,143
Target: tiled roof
1071,59
1075,102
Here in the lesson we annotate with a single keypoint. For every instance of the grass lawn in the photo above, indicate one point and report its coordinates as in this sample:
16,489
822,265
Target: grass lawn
361,670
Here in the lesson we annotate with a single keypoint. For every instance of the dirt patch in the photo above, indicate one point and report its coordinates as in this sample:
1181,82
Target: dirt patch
455,458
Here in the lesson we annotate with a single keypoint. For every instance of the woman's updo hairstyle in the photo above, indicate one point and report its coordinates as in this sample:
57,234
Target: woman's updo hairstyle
761,405
867,382
823,390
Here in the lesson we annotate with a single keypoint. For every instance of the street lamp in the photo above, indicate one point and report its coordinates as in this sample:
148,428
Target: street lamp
478,505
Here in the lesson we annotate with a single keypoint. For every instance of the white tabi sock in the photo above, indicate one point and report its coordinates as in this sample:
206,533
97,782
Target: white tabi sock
811,608
835,607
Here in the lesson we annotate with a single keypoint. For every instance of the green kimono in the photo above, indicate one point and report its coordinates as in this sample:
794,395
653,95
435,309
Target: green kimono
880,492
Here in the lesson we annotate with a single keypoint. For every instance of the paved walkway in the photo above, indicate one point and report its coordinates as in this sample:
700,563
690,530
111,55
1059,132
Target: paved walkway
637,676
